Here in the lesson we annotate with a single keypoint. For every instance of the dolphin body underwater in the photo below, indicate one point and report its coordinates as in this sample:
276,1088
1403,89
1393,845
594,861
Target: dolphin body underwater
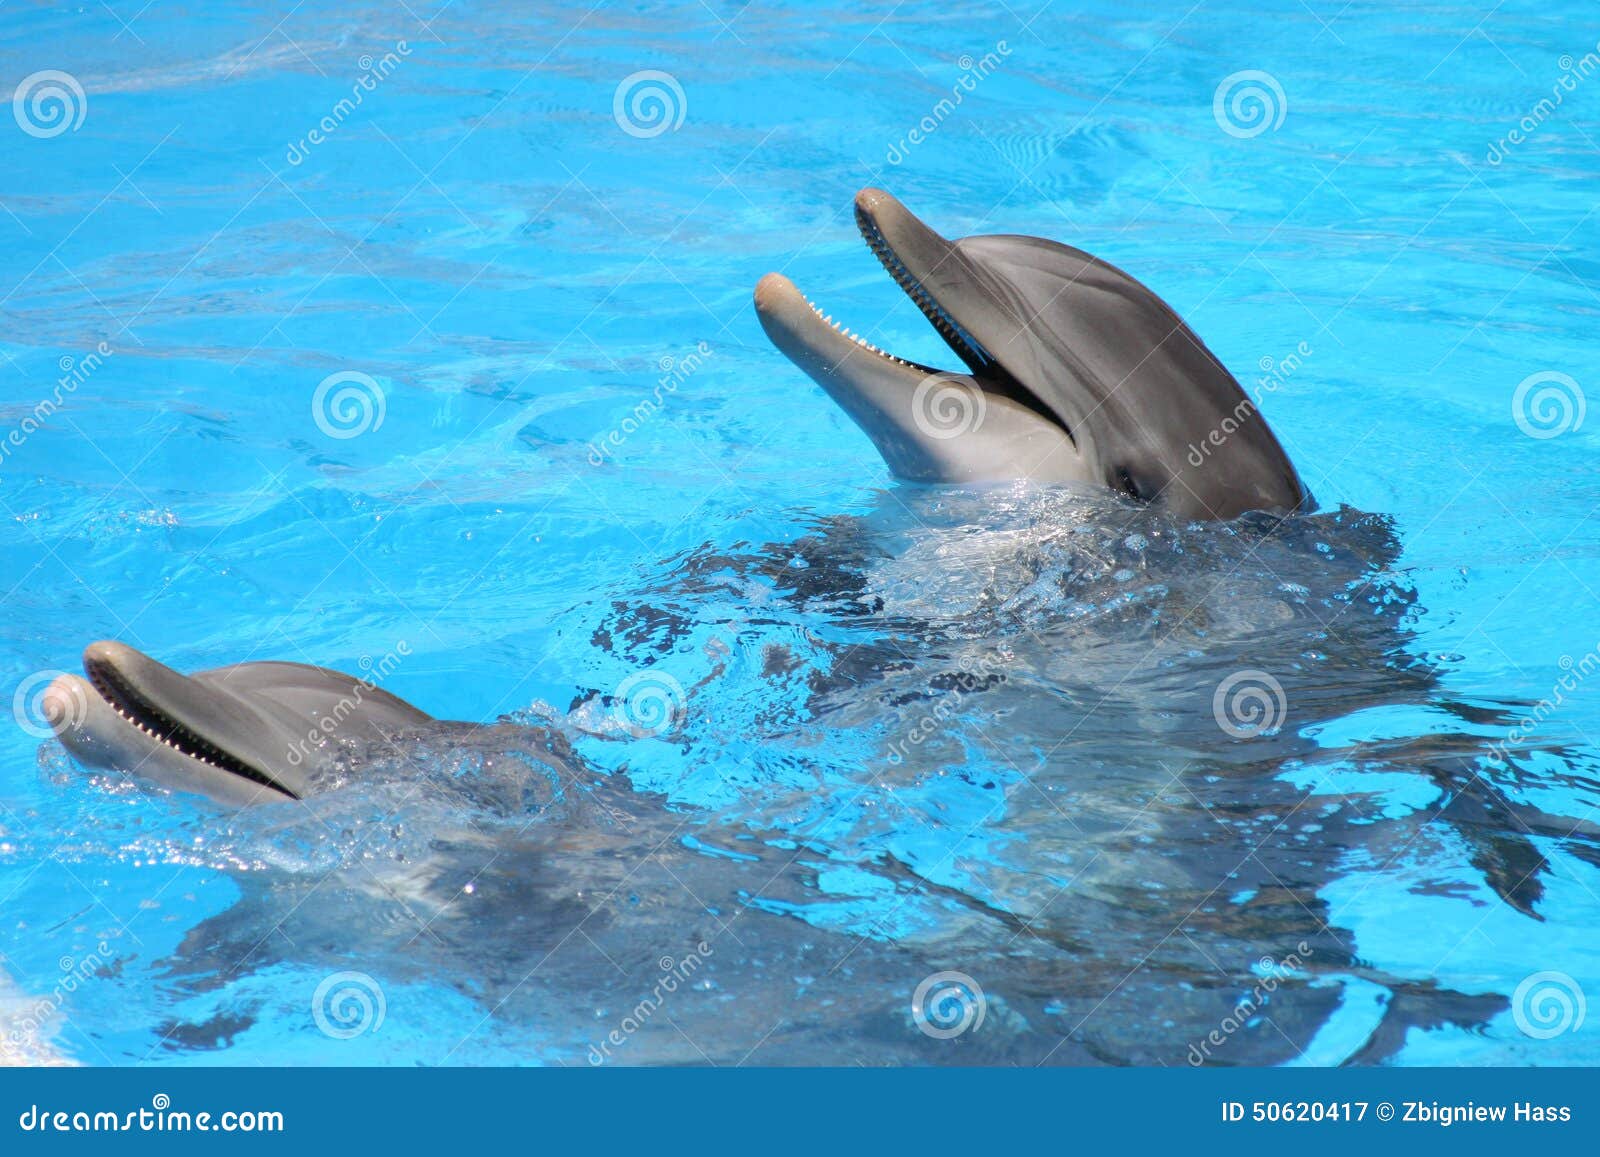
1077,373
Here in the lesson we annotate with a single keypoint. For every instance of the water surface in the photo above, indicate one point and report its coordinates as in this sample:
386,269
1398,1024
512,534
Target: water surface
844,734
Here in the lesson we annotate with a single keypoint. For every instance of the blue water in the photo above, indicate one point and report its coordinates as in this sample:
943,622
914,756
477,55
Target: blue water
514,273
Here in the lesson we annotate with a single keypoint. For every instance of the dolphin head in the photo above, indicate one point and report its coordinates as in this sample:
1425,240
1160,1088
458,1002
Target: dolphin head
250,733
1075,372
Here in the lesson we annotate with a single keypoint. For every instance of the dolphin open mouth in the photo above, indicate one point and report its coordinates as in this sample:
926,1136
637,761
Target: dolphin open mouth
140,705
1076,372
909,251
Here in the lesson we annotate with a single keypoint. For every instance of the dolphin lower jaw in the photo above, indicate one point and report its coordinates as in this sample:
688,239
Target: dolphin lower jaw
929,425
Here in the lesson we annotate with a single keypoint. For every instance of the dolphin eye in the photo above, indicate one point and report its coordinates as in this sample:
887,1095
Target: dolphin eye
1127,485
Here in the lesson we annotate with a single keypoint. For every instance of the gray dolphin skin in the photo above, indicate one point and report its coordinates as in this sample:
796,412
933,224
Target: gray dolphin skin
249,733
1076,373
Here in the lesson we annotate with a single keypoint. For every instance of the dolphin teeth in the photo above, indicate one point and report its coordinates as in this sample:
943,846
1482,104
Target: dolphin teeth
857,338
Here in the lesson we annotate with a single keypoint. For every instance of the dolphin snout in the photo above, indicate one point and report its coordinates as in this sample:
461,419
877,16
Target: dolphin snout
870,200
65,704
769,290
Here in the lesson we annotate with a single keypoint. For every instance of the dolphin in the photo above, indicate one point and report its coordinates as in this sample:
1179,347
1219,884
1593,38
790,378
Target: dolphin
1076,373
244,734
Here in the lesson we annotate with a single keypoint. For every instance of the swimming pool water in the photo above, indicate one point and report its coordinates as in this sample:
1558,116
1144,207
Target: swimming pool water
555,466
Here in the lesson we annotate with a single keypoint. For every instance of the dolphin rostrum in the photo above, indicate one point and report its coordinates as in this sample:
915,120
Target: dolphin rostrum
1076,373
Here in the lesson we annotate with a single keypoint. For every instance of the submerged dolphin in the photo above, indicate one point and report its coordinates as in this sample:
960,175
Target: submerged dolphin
249,733
1077,373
